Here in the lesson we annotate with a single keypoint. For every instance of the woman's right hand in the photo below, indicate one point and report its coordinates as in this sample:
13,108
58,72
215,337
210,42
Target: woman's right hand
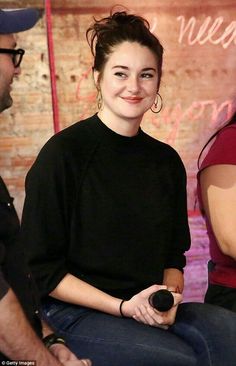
139,308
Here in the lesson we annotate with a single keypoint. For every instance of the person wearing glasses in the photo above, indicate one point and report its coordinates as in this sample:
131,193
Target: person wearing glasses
17,55
20,325
105,221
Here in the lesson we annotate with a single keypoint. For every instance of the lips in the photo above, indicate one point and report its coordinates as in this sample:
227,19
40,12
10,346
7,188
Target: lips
132,100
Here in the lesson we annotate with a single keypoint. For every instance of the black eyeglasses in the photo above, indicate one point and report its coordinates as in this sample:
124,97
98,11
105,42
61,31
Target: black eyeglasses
17,55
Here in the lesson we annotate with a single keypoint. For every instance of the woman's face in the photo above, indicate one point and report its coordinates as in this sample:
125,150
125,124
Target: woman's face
128,83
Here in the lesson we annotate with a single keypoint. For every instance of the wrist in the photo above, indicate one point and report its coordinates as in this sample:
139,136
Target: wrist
51,339
121,309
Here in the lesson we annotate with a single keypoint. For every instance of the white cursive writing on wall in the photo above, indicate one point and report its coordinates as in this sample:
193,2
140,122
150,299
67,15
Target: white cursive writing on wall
208,31
175,115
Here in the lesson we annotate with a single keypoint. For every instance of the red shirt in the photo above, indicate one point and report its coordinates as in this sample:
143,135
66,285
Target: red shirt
222,151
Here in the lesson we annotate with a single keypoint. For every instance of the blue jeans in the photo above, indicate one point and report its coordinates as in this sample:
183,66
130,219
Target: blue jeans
203,335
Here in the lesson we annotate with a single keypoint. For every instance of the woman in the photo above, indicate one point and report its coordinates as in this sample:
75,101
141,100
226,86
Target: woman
105,219
217,195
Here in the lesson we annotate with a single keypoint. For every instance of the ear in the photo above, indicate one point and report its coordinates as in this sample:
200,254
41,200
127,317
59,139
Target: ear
96,78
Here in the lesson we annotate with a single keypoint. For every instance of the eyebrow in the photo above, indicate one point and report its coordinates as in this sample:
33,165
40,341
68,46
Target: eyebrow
127,68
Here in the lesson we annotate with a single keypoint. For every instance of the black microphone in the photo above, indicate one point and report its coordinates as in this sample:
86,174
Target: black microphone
162,300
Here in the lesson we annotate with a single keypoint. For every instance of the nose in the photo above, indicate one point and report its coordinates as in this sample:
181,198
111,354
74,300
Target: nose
133,85
17,71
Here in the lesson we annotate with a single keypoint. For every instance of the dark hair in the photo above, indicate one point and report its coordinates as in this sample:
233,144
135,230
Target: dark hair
231,121
108,32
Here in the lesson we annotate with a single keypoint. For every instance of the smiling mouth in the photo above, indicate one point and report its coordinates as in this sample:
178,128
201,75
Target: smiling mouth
132,99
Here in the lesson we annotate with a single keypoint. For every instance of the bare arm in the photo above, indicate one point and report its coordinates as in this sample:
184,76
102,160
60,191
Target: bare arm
17,339
73,290
174,280
76,291
218,188
62,352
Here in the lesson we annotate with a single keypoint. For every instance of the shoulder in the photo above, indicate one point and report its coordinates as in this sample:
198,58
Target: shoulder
66,151
228,130
163,151
73,140
227,134
223,149
79,132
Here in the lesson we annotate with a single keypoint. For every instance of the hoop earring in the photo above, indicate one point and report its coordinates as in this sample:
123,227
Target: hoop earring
155,108
99,99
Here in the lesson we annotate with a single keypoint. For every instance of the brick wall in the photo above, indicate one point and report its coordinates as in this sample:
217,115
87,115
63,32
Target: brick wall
198,90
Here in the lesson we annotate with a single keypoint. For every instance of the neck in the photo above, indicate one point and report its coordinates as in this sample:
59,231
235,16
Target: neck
124,127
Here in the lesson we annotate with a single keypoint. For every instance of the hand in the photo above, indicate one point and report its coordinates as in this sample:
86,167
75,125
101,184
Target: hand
138,308
66,357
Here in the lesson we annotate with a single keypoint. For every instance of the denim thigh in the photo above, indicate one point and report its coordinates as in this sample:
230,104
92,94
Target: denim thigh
210,330
112,341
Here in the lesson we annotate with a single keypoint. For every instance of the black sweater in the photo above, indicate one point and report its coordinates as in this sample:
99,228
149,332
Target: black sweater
106,208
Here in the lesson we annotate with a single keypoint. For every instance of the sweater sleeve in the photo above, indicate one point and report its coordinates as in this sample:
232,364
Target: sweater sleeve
181,235
50,186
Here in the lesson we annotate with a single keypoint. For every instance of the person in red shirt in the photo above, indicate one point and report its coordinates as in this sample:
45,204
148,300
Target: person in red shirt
217,198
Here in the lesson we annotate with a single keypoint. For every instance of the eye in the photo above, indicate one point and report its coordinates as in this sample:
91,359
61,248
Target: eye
120,74
147,75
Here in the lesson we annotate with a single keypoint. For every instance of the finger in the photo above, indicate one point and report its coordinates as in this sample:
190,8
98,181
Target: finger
167,317
86,362
154,319
177,298
139,316
60,352
161,326
156,316
148,314
67,355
